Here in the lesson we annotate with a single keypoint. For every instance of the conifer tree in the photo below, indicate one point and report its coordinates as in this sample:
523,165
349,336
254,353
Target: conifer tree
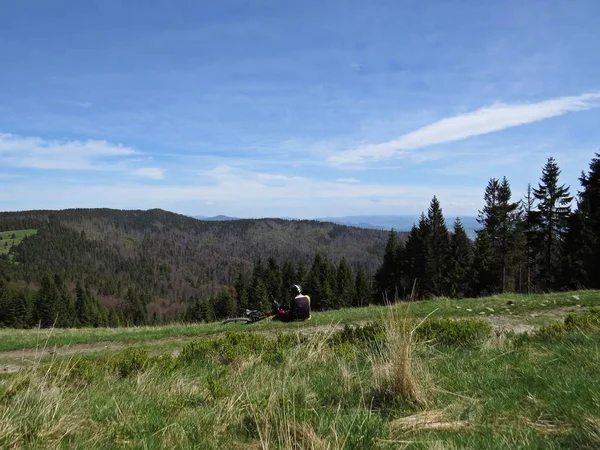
554,206
437,242
584,229
460,268
387,276
224,304
417,255
363,292
241,291
345,284
289,278
45,304
274,280
259,294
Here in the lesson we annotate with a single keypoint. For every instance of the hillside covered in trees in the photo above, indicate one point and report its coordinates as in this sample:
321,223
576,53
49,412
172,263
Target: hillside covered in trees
154,264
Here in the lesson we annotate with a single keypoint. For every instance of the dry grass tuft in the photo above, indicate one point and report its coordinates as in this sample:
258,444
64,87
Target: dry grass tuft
397,371
428,421
303,437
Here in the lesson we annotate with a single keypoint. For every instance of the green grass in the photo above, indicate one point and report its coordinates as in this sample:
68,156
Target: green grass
524,305
507,392
8,241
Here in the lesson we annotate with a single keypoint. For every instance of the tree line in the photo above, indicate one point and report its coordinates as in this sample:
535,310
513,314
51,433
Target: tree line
330,286
539,243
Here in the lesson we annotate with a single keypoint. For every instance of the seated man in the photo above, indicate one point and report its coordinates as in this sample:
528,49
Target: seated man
300,304
299,310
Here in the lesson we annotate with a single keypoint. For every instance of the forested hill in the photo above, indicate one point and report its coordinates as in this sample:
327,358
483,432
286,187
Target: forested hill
168,255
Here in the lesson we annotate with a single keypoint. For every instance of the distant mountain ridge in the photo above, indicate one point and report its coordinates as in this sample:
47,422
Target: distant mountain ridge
402,223
397,222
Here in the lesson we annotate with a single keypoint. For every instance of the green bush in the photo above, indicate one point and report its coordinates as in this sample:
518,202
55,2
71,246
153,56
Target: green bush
454,333
130,362
83,371
370,335
587,321
232,346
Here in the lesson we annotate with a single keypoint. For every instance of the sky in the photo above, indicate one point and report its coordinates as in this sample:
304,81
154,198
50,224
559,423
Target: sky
292,108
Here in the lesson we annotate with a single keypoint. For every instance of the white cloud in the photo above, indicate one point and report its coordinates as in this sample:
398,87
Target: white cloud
37,153
486,120
149,172
347,180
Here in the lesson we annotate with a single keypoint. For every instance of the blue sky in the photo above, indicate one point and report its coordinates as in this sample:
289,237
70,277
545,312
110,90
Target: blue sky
301,109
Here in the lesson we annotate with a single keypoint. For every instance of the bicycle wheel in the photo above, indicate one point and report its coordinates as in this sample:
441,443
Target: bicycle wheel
237,320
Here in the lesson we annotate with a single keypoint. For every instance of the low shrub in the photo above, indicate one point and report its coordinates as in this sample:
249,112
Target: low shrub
587,321
454,333
232,346
369,335
130,362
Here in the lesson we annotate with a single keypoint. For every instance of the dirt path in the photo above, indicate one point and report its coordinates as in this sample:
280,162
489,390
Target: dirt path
527,322
12,361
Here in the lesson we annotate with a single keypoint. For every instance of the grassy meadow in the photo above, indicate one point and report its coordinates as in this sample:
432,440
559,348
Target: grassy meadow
390,377
10,238
523,309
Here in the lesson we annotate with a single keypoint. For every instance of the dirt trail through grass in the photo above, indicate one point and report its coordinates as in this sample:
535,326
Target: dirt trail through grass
13,360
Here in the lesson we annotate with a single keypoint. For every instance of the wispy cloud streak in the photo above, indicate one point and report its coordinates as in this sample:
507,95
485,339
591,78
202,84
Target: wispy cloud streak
485,120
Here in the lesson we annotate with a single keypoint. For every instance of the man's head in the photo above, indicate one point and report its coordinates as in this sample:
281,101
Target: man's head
296,289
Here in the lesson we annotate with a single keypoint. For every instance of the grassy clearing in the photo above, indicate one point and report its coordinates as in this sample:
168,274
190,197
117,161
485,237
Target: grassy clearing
523,306
13,238
383,386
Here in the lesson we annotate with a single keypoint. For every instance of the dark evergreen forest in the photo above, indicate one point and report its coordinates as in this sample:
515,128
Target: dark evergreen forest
113,268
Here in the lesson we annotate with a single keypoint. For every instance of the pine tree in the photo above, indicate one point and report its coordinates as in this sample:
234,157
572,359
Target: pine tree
134,308
363,291
387,277
259,295
460,262
584,229
274,280
113,319
509,216
320,283
241,293
554,206
301,273
224,304
45,304
438,250
5,313
345,284
529,227
417,254
288,276
65,306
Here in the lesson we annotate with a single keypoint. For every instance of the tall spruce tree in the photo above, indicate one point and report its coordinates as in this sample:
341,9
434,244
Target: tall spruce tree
438,251
288,277
242,287
460,270
345,285
554,206
46,303
387,276
529,227
509,216
224,304
274,280
259,293
499,219
363,292
584,229
417,255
